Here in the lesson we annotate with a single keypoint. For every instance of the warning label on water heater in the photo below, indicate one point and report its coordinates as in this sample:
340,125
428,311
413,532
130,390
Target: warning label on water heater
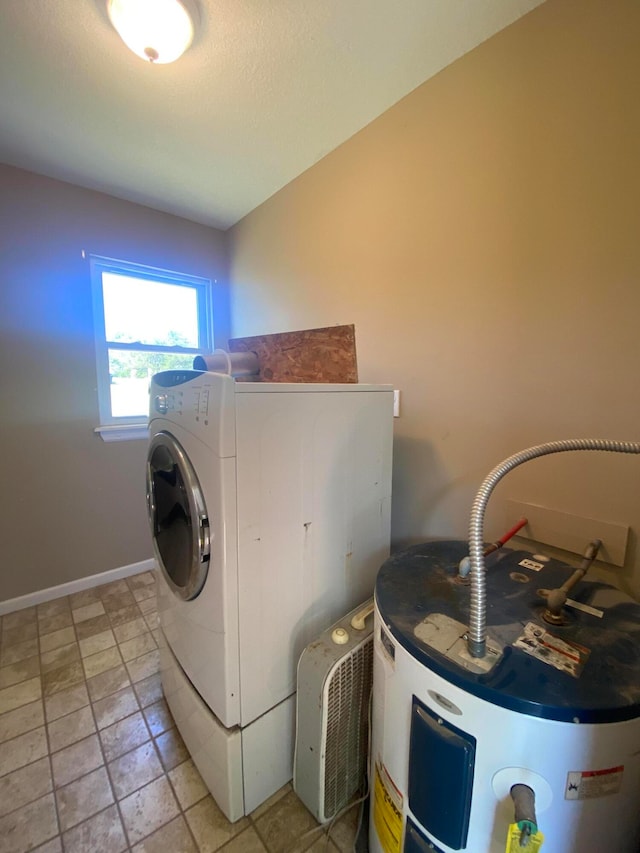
588,784
565,656
387,810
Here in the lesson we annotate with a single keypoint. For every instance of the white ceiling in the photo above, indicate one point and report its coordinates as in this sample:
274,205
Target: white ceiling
265,91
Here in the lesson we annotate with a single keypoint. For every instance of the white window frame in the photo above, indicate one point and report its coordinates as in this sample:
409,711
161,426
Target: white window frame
123,428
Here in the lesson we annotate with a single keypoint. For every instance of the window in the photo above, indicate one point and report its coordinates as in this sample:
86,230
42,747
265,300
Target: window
146,320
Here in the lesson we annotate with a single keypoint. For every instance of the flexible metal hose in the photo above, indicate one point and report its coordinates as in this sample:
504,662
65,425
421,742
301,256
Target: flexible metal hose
477,641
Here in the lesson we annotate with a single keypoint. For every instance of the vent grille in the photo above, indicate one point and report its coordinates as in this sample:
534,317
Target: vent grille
347,732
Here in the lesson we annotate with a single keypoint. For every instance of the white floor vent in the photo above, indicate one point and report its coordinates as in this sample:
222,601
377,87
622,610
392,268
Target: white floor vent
332,714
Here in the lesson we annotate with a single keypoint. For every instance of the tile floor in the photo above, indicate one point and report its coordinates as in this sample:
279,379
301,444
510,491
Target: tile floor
90,759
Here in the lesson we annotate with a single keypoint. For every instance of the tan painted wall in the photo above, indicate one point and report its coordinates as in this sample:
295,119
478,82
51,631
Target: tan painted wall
72,505
484,237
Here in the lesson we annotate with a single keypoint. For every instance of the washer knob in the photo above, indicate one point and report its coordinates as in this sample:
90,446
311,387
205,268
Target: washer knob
340,636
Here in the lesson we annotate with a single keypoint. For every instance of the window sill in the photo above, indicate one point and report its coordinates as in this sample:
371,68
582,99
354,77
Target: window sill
122,432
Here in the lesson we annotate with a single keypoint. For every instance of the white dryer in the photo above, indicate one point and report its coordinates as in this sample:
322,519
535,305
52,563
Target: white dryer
270,513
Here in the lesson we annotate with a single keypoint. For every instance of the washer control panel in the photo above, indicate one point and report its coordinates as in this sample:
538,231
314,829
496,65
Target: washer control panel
200,402
164,403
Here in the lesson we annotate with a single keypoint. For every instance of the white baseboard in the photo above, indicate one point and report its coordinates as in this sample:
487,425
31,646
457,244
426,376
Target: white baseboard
78,585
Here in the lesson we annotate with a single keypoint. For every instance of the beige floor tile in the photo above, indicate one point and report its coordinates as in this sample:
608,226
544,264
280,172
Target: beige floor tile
158,717
76,760
70,728
143,592
247,842
107,683
66,701
89,611
126,614
29,826
271,801
102,833
144,666
141,580
188,784
210,827
124,736
53,846
148,605
101,662
322,845
135,769
21,651
149,690
60,656
148,809
24,785
151,618
53,608
343,832
172,749
20,694
118,601
84,598
174,837
83,798
138,646
49,624
14,673
90,627
115,707
63,637
12,636
62,678
129,630
18,618
22,750
113,588
284,824
97,643
22,720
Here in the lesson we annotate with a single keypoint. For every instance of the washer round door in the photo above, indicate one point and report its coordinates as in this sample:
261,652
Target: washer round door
178,517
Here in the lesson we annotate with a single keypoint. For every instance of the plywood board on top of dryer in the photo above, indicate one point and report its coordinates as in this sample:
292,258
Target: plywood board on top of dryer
310,355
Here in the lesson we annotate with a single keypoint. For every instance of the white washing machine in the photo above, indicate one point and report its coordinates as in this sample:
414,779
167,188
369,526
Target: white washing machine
270,513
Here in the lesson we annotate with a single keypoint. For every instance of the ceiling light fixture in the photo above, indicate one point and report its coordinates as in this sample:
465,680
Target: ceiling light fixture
156,30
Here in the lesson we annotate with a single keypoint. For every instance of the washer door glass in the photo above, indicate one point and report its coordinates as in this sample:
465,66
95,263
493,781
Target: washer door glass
178,517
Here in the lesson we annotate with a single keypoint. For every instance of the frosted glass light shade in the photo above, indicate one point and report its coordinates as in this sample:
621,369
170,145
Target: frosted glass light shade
156,30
